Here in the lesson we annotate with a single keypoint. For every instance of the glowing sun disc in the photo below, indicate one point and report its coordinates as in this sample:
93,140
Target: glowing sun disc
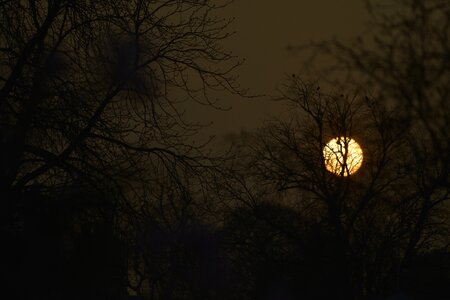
343,156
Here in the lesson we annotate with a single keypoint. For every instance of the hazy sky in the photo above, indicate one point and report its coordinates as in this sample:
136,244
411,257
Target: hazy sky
264,30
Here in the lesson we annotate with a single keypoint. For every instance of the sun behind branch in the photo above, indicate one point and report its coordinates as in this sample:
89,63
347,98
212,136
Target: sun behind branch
343,156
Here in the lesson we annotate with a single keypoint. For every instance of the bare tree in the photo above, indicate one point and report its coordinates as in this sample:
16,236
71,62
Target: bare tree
92,89
290,154
93,97
372,213
404,63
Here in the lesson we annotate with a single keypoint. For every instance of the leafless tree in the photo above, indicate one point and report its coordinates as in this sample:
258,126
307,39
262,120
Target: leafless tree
402,63
290,155
373,213
93,88
93,96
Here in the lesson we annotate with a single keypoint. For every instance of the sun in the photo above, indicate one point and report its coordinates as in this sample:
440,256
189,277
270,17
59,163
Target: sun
343,156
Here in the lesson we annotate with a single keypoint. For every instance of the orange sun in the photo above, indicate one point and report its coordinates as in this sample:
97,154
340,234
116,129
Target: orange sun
343,156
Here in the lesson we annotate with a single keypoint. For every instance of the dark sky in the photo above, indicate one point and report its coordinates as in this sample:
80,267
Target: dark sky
264,30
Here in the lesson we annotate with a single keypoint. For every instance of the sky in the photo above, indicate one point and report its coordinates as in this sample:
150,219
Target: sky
264,31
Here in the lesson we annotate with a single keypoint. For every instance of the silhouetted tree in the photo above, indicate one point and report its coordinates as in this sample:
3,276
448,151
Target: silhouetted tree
90,89
395,210
175,247
277,252
368,217
404,63
92,98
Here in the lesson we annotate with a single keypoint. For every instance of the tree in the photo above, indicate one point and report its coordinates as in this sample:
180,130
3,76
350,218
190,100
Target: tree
403,62
369,217
91,89
92,100
289,155
394,211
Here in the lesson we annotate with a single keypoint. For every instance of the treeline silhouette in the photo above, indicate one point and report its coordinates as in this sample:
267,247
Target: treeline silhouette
266,252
